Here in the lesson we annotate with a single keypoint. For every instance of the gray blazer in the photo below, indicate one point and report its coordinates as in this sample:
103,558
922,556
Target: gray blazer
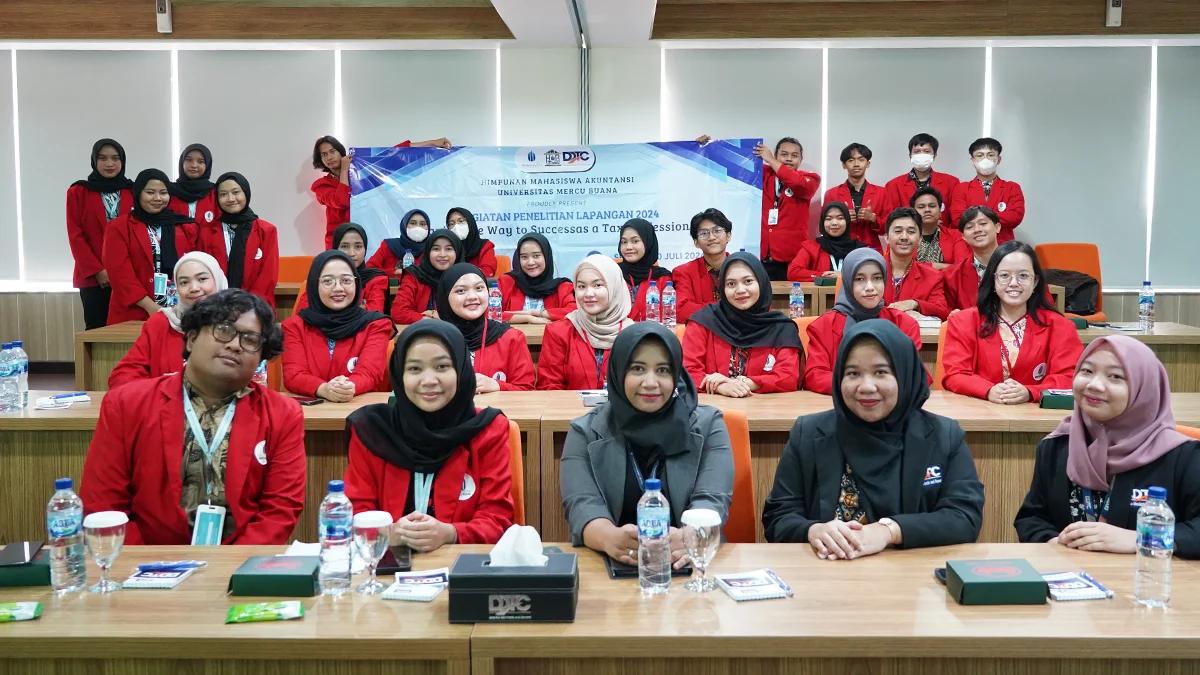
699,470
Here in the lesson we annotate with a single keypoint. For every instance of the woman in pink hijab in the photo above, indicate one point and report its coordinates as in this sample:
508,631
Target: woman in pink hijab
1095,470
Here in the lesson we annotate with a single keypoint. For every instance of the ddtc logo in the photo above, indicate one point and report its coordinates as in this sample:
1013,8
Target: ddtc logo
1139,496
575,156
506,605
554,159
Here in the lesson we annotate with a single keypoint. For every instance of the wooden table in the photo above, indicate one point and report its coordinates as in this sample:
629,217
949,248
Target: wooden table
182,630
882,614
97,352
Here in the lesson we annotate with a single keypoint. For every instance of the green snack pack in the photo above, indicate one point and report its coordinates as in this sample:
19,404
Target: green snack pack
19,611
1009,581
265,611
1058,399
825,281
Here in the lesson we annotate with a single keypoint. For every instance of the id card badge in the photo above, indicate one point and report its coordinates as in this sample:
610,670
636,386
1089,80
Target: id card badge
773,217
160,284
210,521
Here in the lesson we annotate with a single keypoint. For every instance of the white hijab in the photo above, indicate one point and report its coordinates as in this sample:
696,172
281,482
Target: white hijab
175,314
602,330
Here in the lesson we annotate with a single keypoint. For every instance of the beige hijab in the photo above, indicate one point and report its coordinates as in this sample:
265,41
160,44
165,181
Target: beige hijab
174,314
602,330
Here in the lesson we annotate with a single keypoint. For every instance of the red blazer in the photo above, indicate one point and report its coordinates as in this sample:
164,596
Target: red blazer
773,369
810,262
1006,200
206,213
130,264
866,231
384,259
335,197
157,351
362,358
486,260
638,311
954,249
472,491
972,364
962,283
559,305
261,268
567,360
694,288
900,189
923,284
411,299
507,361
825,336
87,222
135,461
373,295
779,242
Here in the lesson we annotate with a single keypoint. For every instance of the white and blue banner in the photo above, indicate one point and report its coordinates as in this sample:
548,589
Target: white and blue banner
577,196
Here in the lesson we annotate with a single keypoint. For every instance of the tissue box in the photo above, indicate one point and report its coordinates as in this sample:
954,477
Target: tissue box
1058,399
33,573
284,576
825,281
480,593
1011,581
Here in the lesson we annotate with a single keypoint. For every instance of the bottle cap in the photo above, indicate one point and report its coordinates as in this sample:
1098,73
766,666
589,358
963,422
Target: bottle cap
337,486
795,284
653,484
64,483
21,343
1157,492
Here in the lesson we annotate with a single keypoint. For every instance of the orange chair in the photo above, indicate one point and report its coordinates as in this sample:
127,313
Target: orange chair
802,325
516,463
302,293
503,265
275,374
294,267
1077,257
1193,432
938,368
680,328
739,527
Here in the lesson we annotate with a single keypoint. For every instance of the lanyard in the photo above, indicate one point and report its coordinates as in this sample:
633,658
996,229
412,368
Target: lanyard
637,472
230,233
422,486
155,234
634,286
600,355
1089,505
206,446
1004,353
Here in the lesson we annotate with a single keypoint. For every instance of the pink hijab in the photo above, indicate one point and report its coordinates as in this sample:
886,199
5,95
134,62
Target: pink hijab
1143,433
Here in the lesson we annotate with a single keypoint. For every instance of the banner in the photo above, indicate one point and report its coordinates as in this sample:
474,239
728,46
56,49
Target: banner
577,196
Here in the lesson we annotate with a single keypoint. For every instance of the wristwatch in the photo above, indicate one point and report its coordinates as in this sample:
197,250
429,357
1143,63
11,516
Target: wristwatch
893,528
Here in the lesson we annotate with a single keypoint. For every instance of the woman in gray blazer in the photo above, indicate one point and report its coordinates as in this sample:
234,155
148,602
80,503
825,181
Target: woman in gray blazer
651,427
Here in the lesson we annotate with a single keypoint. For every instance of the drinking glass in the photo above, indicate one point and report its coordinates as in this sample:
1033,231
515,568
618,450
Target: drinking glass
372,530
701,538
104,534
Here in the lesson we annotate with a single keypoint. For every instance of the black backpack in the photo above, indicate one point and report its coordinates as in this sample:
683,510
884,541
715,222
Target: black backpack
1081,290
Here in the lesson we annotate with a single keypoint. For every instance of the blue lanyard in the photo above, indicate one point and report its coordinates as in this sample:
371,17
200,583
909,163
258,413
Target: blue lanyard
206,446
1089,505
637,472
422,487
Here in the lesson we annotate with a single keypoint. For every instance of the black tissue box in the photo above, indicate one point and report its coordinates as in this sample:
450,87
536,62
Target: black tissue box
480,593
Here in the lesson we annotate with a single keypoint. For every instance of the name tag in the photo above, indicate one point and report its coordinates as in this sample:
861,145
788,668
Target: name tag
773,217
210,521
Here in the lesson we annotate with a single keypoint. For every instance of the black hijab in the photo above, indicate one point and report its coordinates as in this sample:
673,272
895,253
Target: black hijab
401,433
837,247
473,331
97,183
341,323
543,285
647,267
424,271
189,190
404,244
649,435
875,450
365,273
473,244
758,326
242,224
165,219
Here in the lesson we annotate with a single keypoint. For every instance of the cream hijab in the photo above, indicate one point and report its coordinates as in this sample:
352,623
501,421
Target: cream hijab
174,314
602,330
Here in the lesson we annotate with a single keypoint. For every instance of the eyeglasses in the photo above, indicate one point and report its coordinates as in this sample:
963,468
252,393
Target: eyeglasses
329,282
1023,278
986,155
225,332
712,234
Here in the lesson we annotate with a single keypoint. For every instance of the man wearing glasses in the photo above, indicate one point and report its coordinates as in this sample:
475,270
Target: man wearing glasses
696,280
205,440
990,190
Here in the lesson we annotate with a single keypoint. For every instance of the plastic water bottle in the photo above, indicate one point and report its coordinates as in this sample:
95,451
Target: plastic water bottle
654,540
260,373
407,261
10,395
653,304
495,303
1146,306
668,306
1155,544
64,538
21,360
337,539
796,301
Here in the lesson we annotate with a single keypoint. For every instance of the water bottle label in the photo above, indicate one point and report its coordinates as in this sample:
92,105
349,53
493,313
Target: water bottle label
1156,538
653,525
62,526
337,531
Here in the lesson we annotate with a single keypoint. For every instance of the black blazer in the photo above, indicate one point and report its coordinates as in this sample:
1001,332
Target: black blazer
1047,511
941,496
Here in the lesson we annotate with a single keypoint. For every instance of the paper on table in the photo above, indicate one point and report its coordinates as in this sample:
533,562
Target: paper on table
299,548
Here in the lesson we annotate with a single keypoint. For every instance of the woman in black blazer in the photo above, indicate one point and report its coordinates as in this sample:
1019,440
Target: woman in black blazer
877,470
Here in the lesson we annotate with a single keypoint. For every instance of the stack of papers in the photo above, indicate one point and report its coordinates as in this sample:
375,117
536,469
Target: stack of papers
1075,586
158,578
418,586
762,584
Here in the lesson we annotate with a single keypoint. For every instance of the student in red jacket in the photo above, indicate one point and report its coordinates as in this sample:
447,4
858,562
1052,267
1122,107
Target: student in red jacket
1012,346
980,228
477,251
158,349
530,292
639,264
940,246
499,354
193,194
696,280
141,249
866,199
739,346
915,288
333,189
414,299
389,257
823,256
246,246
351,239
429,457
861,298
333,348
922,151
575,350
92,204
987,189
787,192
207,435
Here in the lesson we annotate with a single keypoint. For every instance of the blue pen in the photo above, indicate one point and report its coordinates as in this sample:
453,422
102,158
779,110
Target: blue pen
69,395
1107,593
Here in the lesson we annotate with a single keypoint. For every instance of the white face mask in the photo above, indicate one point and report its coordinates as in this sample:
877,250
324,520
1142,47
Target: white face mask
462,230
985,167
417,234
921,160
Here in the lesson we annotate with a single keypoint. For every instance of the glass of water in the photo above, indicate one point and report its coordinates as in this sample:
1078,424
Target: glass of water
104,533
701,538
372,530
